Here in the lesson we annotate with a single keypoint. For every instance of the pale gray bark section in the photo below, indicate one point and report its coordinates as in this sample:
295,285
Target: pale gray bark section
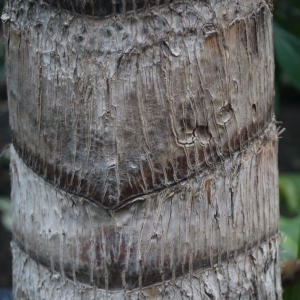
253,275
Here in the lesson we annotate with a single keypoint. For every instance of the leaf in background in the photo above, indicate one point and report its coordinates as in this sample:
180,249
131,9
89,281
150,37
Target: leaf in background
6,216
292,293
289,189
287,53
289,246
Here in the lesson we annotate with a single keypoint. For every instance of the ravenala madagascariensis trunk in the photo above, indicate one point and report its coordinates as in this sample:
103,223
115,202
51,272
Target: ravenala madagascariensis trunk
144,155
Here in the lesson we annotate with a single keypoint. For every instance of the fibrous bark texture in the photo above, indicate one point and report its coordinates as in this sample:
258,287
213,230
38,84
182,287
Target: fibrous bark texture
144,150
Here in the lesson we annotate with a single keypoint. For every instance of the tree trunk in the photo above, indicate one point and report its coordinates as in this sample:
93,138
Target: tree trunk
144,156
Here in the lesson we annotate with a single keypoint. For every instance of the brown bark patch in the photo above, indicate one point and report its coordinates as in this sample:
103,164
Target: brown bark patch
208,190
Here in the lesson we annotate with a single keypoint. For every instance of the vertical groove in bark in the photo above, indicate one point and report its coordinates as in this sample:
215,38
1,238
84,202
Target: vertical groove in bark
144,150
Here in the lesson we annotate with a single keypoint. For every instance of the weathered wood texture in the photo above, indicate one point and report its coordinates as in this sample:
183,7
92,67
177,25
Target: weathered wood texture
234,279
205,223
112,109
144,150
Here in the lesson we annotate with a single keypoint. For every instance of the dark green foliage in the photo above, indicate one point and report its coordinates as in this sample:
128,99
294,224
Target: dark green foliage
287,47
287,54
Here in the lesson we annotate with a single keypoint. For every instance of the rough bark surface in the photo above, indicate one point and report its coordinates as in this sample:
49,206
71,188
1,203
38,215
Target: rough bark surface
234,279
144,158
116,108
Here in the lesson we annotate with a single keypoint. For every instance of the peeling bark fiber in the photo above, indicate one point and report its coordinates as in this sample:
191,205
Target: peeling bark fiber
144,156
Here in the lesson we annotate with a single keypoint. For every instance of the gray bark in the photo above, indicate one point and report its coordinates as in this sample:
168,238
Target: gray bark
144,157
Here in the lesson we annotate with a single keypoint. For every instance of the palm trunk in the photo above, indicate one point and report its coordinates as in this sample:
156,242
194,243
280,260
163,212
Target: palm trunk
144,156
